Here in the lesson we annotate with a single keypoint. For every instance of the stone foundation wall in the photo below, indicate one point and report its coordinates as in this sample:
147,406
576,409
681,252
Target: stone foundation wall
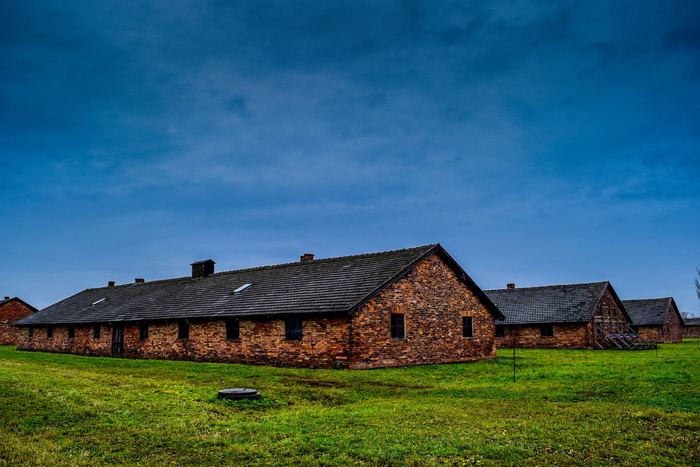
10,312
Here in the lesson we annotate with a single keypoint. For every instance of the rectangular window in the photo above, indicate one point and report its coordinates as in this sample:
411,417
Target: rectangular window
398,326
500,330
183,329
467,326
292,328
71,331
546,330
233,329
143,331
30,331
96,331
49,332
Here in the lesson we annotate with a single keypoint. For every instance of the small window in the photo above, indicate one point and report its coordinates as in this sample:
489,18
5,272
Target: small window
292,327
183,329
30,332
241,289
500,330
143,332
233,329
546,330
96,331
49,332
467,326
398,326
71,332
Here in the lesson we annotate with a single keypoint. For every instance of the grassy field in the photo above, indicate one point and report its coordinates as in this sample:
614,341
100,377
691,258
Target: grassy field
565,408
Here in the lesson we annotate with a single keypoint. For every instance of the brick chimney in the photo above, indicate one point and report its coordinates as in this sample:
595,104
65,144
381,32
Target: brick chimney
510,285
110,284
139,280
202,268
306,257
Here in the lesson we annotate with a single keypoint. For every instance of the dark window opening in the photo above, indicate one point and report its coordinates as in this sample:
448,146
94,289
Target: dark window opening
183,329
143,331
30,331
467,326
96,331
546,330
71,332
293,328
233,329
500,331
398,326
49,332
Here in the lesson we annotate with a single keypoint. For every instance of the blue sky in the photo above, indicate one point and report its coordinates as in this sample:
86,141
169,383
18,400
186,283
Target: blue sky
539,142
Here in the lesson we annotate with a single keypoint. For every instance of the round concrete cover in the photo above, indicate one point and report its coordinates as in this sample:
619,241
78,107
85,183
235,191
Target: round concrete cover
239,393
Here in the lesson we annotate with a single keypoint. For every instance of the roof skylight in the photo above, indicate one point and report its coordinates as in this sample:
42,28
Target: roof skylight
98,301
241,288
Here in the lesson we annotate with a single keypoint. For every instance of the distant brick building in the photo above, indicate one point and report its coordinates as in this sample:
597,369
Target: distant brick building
404,307
12,310
691,327
573,316
656,319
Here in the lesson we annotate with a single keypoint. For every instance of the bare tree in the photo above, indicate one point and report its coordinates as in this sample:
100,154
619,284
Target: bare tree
697,284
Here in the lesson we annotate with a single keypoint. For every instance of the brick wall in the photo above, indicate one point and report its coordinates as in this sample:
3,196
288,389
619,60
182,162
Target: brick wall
262,342
82,343
432,298
668,333
433,301
565,336
690,331
10,312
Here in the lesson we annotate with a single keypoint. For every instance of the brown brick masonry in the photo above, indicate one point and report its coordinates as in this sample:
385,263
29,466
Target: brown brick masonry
10,312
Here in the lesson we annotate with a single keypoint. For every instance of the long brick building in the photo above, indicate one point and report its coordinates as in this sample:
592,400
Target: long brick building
572,316
12,310
656,319
404,307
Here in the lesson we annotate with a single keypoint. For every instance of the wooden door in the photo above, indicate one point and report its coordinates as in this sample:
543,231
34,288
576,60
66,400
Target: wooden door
118,340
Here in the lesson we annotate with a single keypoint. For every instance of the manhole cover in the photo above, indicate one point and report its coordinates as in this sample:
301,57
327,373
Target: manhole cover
238,394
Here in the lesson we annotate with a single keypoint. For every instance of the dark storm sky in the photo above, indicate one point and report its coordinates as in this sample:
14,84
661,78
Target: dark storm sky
539,142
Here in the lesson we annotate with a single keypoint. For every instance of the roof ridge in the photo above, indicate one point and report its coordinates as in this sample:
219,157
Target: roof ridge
273,266
322,260
646,299
548,286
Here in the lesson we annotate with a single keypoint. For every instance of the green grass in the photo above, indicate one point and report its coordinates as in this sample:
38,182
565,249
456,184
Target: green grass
565,408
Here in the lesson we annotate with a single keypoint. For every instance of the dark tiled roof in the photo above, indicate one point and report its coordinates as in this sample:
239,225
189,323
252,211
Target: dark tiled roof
335,285
572,303
691,322
650,311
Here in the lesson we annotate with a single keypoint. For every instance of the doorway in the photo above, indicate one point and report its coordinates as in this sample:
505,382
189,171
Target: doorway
118,340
